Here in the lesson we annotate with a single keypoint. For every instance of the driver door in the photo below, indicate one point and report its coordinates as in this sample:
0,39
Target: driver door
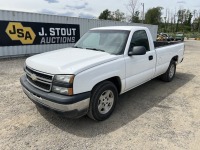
140,68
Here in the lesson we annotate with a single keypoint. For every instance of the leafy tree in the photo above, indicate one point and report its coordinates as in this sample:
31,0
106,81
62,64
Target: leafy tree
153,16
135,18
188,18
181,15
106,15
134,13
184,19
196,24
118,16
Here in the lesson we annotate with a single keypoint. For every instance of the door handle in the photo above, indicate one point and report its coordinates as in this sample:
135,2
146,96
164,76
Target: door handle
151,57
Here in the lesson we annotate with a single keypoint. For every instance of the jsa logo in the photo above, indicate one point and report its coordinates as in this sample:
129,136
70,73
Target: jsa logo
17,32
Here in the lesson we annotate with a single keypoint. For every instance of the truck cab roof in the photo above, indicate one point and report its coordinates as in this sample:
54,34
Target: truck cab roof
128,28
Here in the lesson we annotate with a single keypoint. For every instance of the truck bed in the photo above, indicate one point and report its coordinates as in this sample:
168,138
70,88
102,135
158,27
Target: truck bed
158,44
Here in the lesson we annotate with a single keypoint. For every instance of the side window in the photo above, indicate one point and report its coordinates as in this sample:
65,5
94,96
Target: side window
140,39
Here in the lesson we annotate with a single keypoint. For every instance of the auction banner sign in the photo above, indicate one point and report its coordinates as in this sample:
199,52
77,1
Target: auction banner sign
32,33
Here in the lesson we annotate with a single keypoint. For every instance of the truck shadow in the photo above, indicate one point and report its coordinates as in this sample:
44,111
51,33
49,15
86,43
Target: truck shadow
131,105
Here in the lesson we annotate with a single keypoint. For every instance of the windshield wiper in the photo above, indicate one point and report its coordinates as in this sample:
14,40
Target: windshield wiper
96,49
77,47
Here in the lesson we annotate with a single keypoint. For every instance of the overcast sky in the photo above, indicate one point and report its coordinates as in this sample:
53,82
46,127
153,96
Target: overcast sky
90,8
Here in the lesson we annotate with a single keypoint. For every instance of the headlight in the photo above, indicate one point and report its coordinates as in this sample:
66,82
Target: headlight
64,78
62,90
63,84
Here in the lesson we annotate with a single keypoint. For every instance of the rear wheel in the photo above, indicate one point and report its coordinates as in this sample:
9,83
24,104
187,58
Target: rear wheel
170,73
103,101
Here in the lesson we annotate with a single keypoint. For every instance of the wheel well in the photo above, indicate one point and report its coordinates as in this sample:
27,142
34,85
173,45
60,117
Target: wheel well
117,82
175,58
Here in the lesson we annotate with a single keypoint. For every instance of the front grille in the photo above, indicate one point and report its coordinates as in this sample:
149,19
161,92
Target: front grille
42,75
39,79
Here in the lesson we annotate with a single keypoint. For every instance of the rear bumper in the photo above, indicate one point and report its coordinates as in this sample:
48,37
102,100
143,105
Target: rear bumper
71,106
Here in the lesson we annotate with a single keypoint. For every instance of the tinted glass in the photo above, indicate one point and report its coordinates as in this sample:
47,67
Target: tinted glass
140,39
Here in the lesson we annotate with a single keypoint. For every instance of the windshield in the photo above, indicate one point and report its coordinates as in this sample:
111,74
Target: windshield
110,41
179,34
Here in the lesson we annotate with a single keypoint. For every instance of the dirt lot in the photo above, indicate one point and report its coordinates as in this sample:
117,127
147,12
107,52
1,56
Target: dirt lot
155,116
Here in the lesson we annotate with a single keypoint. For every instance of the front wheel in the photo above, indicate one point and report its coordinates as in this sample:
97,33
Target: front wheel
170,73
103,101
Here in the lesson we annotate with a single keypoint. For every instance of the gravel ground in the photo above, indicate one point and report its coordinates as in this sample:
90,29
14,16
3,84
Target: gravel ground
155,116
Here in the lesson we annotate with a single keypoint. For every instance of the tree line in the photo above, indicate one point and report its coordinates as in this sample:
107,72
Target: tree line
184,20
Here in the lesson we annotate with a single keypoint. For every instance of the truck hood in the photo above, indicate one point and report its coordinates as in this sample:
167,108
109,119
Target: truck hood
68,60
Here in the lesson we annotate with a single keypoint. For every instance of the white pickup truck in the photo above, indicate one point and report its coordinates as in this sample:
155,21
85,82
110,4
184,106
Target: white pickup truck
104,63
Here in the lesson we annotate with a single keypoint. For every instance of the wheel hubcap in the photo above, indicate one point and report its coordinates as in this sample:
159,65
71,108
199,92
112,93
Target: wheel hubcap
105,102
171,71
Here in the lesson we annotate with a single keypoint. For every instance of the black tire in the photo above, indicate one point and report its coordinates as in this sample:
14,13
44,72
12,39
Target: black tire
95,102
167,76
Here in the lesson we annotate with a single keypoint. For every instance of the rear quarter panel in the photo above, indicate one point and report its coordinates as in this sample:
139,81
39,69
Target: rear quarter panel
165,55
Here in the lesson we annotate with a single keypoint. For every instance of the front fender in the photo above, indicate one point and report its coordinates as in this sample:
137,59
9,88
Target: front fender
86,80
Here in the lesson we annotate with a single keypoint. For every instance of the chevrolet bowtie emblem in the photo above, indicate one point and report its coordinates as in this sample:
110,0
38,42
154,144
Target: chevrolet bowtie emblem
33,77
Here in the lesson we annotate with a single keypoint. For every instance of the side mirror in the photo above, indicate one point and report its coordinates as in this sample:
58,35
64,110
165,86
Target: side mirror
137,50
